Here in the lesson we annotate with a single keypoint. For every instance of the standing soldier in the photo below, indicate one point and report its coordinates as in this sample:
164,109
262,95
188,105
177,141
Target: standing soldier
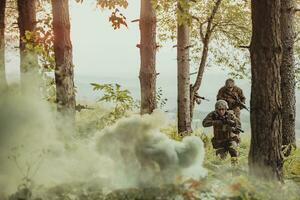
233,95
226,128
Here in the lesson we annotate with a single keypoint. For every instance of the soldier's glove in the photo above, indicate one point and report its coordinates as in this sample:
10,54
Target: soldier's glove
217,123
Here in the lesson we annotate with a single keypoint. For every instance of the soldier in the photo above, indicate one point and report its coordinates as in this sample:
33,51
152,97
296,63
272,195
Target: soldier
233,95
226,129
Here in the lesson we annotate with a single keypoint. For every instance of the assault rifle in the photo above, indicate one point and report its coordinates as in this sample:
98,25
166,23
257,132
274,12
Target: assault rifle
231,123
198,101
237,129
239,102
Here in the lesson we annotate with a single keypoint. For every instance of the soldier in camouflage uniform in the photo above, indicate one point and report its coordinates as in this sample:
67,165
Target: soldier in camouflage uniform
232,94
226,133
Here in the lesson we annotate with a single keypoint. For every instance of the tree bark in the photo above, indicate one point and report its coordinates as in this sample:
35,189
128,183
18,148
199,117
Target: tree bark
287,73
148,56
3,83
205,41
64,73
265,158
28,58
183,78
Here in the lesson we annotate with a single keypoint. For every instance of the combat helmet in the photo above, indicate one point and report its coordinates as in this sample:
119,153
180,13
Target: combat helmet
221,104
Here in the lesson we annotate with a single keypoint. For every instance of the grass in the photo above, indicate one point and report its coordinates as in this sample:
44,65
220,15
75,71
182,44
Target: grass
226,182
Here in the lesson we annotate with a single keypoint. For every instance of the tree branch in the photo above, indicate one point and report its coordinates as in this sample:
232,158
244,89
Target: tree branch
212,16
234,25
196,18
193,73
245,47
296,9
205,41
201,31
189,46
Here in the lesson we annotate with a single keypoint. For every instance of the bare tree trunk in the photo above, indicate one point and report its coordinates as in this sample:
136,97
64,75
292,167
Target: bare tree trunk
64,74
28,58
287,73
148,53
265,158
205,40
183,78
3,83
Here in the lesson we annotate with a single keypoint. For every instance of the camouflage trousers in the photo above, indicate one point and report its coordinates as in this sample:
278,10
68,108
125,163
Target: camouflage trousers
225,147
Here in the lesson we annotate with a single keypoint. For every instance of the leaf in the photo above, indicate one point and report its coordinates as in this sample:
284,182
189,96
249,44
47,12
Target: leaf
29,46
28,35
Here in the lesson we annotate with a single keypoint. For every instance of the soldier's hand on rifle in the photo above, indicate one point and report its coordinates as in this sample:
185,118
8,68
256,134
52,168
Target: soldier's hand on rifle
237,130
231,123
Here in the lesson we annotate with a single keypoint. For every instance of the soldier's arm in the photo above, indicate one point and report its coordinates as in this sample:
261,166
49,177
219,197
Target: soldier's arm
209,121
241,96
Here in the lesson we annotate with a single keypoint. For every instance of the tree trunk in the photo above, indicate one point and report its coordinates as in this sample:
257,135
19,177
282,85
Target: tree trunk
196,86
265,158
64,75
183,78
205,41
148,53
3,83
287,73
28,58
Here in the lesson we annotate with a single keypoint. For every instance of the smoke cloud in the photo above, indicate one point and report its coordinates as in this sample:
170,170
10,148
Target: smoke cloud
131,153
146,157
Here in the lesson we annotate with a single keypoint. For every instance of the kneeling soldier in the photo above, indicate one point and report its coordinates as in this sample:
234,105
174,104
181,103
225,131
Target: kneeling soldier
226,131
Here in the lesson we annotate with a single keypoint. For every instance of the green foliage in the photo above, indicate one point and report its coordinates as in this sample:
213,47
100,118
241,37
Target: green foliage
292,166
160,100
182,11
171,132
297,48
121,100
49,88
231,28
112,4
